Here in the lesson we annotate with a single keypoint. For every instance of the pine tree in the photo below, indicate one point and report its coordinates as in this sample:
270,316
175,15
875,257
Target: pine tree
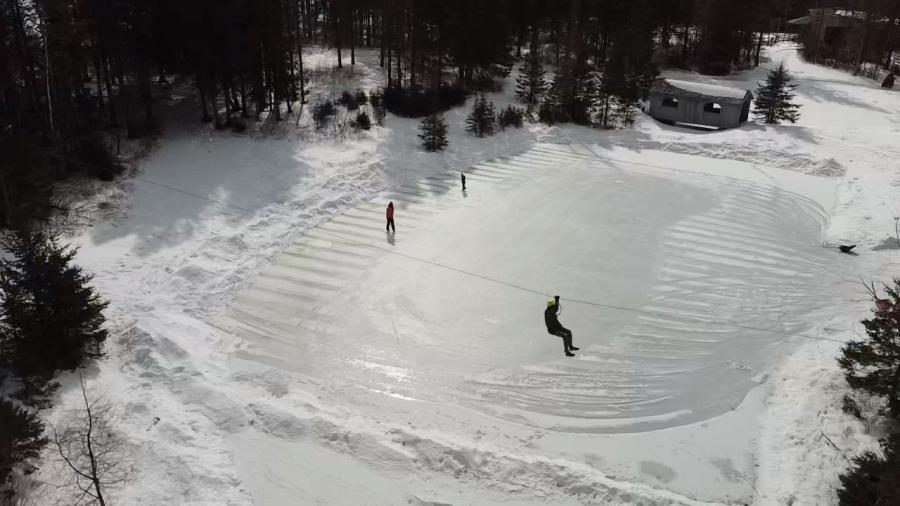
511,117
873,479
483,119
774,99
433,132
572,93
626,110
20,438
531,85
873,364
50,319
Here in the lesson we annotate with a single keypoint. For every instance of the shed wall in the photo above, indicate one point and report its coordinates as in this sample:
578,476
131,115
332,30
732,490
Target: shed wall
690,110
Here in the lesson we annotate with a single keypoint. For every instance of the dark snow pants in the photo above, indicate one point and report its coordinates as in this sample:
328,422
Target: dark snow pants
390,225
566,335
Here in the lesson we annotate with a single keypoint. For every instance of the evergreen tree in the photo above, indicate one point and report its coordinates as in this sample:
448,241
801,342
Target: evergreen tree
626,110
873,364
873,479
20,438
511,117
482,120
572,93
362,121
433,132
50,319
531,85
773,101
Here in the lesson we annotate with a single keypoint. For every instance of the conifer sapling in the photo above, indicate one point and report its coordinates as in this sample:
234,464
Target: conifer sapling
774,99
433,132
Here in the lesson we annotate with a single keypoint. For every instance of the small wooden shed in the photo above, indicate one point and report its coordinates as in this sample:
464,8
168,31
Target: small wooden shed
699,105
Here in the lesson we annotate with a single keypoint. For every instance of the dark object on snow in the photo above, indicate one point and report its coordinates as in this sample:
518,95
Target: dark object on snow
390,217
462,177
555,328
846,249
888,81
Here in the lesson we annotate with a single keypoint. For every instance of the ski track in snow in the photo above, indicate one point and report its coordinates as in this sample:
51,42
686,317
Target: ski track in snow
268,347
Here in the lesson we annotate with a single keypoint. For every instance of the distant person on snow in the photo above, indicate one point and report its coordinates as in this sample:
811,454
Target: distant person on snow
390,217
555,328
462,177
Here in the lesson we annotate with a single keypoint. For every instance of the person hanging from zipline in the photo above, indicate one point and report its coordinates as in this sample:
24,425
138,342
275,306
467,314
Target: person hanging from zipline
390,217
551,318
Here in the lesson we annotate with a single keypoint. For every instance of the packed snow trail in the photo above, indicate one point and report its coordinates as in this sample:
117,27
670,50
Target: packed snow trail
701,260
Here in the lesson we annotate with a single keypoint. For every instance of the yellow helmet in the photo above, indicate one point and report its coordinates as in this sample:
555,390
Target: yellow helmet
551,303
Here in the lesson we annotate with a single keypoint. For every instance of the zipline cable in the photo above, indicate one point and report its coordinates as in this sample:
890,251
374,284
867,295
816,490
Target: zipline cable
506,283
576,300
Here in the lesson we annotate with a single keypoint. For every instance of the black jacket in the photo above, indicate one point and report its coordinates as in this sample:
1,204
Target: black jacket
551,320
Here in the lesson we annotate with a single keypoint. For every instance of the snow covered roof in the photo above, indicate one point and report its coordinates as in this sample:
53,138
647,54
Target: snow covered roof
709,90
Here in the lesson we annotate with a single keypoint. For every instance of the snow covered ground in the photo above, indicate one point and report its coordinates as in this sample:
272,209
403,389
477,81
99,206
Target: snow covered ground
272,345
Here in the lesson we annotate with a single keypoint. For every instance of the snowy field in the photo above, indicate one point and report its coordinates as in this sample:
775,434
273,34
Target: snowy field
671,267
453,299
273,345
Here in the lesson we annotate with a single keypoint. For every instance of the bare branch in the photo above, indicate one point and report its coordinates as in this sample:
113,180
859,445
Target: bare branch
90,448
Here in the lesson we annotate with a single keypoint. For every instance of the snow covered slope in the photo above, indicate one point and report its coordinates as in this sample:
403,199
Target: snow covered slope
273,346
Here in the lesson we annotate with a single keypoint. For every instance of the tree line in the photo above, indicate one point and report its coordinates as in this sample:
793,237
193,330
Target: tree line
71,71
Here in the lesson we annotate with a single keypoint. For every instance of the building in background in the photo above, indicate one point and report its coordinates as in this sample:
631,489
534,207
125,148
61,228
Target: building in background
849,38
699,105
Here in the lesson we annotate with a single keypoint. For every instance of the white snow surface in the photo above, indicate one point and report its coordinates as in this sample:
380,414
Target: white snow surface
708,89
271,344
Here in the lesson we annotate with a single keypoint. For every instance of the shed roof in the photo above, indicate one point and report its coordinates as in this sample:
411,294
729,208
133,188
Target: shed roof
708,90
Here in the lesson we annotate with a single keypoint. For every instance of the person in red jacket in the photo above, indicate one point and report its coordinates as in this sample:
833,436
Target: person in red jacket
390,217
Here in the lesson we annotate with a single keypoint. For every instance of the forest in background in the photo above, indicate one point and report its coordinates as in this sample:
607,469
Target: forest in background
76,73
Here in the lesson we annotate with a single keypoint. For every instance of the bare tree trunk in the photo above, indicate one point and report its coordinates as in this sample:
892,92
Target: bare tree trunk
201,85
113,117
243,85
337,36
758,49
300,64
862,44
390,83
412,50
369,29
6,215
352,37
99,79
95,477
383,49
